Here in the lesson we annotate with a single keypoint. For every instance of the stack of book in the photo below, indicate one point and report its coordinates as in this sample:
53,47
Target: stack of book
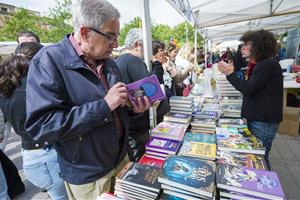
203,126
169,130
180,104
232,110
146,160
230,122
160,148
231,100
238,140
225,88
248,183
199,146
188,178
137,181
212,107
205,115
178,118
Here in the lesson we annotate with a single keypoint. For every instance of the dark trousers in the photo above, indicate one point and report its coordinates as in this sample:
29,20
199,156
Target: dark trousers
14,183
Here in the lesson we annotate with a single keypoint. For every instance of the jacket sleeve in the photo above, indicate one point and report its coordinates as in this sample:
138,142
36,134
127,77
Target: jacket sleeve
49,116
258,79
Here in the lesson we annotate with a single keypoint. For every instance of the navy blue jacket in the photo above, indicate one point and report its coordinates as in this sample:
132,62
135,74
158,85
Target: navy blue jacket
65,105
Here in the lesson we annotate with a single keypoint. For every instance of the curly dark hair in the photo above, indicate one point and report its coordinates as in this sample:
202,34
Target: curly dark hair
264,44
156,45
14,67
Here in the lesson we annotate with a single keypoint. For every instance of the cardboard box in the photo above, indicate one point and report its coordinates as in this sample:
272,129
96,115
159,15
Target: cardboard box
290,124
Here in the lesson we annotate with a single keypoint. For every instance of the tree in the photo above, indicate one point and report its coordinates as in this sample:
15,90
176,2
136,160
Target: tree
21,21
179,32
161,32
58,21
135,23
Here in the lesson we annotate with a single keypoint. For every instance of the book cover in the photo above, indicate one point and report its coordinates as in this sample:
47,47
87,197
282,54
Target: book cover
198,150
163,145
238,140
142,176
195,175
200,137
156,153
205,114
148,86
250,181
145,160
242,159
169,130
177,117
181,99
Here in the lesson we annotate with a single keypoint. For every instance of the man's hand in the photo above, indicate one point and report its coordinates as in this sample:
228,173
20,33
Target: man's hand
225,67
141,105
116,96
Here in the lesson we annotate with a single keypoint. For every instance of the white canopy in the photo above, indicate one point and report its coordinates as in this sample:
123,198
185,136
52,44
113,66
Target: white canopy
219,19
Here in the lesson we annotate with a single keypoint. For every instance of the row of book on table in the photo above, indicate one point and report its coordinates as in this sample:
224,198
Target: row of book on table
199,156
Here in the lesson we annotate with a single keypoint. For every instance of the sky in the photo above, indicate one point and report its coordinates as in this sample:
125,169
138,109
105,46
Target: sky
160,10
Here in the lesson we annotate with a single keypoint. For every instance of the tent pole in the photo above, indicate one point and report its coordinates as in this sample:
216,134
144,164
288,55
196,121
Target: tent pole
147,44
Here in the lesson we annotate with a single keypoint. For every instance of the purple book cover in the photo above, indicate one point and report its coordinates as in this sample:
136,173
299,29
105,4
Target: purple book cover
163,145
148,86
253,180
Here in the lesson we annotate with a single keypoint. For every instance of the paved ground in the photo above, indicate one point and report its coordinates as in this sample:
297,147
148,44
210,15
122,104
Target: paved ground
285,160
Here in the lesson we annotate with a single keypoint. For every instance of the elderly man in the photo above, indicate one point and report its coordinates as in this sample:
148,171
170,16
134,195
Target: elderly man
75,99
133,68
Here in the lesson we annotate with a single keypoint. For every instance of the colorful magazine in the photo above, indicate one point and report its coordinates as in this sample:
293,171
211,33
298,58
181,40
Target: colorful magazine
250,181
169,130
194,175
148,86
243,159
163,145
198,150
200,137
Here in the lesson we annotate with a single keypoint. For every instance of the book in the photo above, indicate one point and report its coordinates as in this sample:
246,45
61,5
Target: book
145,160
169,130
250,181
190,174
156,153
238,196
242,159
200,137
181,100
198,150
122,187
163,145
141,176
148,86
177,117
238,140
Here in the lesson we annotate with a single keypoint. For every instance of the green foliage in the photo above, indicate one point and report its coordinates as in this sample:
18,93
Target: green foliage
184,33
161,32
135,23
21,21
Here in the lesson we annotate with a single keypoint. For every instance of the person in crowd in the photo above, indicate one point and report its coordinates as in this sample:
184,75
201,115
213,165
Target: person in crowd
263,90
177,73
239,62
133,68
37,156
185,60
227,55
76,101
27,36
281,53
159,69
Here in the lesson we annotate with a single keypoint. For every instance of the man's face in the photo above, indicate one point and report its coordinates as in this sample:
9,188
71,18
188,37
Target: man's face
100,42
26,39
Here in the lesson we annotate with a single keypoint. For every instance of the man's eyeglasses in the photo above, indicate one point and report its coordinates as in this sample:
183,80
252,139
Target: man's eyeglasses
111,38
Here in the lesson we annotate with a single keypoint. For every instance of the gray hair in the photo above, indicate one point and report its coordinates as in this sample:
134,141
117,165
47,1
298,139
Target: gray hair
134,35
92,13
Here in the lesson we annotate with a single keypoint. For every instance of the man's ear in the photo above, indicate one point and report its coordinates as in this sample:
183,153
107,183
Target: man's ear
84,33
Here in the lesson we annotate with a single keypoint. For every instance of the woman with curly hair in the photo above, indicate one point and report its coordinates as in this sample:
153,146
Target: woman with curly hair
40,162
263,89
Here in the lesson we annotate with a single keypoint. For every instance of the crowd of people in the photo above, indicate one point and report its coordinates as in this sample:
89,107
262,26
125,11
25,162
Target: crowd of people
68,100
